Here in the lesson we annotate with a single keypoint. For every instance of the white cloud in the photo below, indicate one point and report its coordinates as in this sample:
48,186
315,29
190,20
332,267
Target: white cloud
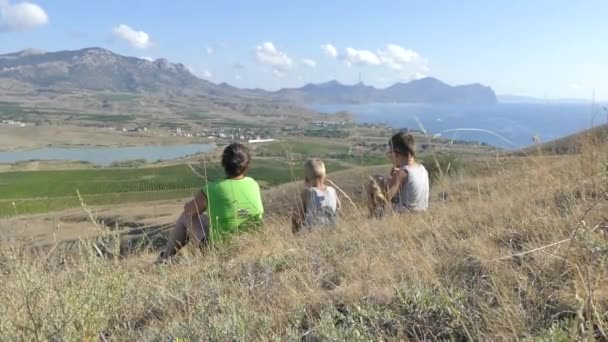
575,86
137,39
330,50
149,59
207,74
309,63
22,16
398,58
278,73
361,57
237,77
213,48
406,64
418,75
267,53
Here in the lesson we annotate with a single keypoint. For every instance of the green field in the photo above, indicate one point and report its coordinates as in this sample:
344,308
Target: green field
42,191
304,148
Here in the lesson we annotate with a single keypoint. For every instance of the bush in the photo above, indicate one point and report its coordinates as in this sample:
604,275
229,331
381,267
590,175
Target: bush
128,163
440,164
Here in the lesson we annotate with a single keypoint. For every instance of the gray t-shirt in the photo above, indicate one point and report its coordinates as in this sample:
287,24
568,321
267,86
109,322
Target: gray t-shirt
321,207
414,194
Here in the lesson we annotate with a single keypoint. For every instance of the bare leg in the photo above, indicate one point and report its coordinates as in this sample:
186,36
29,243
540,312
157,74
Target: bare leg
195,229
178,237
200,230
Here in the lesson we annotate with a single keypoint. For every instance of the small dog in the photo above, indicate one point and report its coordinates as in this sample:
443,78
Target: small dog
377,201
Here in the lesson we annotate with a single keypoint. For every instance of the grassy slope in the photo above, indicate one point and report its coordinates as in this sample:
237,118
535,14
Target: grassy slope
572,143
438,275
42,191
304,147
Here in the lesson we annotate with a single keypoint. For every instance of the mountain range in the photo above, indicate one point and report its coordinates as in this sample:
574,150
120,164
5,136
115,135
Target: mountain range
528,99
97,69
426,90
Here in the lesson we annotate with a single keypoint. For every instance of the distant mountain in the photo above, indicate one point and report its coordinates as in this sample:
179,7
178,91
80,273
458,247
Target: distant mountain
528,99
81,81
329,92
427,90
98,69
519,99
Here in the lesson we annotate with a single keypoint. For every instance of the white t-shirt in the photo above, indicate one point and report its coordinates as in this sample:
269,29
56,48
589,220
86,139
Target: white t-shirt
414,194
321,207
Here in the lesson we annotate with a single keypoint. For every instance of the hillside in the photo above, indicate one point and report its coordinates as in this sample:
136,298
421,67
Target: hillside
515,251
427,90
51,87
97,69
572,143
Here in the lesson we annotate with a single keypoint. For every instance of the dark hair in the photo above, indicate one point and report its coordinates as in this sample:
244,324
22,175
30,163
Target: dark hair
403,144
235,160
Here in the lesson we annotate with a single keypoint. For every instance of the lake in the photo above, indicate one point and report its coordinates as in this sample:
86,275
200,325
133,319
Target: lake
105,156
516,122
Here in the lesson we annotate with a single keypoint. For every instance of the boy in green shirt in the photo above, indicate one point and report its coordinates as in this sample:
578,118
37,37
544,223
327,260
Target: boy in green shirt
231,204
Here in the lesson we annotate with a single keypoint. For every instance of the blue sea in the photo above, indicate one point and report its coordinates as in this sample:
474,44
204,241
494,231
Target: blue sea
515,123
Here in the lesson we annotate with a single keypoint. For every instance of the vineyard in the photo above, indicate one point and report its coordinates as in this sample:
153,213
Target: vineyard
42,191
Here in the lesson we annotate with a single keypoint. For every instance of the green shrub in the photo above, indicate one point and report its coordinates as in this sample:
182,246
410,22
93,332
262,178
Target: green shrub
440,164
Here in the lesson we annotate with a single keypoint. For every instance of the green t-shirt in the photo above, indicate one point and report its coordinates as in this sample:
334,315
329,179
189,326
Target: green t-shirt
232,205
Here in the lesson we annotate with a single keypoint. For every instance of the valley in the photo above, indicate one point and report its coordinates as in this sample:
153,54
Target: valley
513,244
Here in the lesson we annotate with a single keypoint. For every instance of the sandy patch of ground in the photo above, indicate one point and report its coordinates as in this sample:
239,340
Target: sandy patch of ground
77,223
31,137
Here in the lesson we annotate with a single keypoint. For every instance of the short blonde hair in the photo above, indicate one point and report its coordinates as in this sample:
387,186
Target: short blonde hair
314,169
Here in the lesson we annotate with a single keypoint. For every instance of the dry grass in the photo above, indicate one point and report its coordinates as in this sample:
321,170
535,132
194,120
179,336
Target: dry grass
519,251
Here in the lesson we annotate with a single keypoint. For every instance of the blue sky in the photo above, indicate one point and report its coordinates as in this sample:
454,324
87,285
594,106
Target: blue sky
552,49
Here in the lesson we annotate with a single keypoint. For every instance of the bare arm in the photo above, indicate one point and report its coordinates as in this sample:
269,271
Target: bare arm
397,180
197,205
338,202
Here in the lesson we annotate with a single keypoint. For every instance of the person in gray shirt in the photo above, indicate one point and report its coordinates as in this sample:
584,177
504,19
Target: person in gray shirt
319,203
407,188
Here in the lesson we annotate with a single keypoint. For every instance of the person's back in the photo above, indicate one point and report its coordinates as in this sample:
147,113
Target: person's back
414,194
321,206
233,204
318,203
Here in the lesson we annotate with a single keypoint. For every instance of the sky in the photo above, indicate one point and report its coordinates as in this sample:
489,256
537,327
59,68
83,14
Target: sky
539,48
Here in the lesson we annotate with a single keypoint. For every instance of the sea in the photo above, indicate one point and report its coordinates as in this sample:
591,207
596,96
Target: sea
504,125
